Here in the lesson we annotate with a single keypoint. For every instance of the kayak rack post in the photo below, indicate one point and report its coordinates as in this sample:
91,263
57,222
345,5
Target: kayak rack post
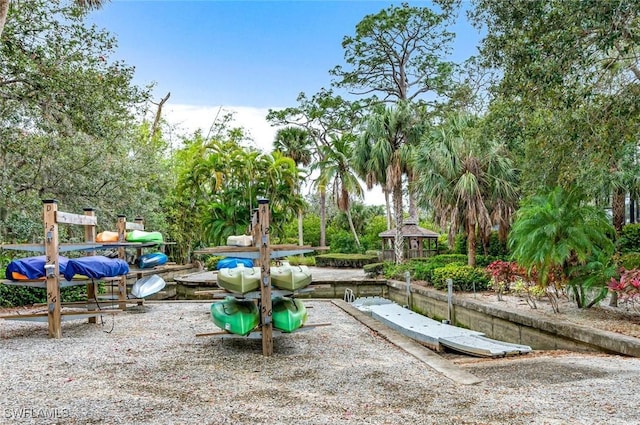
264,262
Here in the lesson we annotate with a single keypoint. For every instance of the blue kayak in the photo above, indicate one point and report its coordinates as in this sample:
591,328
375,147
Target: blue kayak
153,259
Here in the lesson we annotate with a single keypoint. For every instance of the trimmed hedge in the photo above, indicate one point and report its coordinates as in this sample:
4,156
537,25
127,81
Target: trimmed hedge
355,261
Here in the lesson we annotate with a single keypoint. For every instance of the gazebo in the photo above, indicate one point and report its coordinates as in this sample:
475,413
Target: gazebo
418,241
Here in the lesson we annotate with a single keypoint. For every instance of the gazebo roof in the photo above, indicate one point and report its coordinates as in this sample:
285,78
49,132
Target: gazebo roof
410,229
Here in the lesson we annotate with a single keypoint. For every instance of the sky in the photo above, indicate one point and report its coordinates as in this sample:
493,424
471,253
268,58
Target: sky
242,56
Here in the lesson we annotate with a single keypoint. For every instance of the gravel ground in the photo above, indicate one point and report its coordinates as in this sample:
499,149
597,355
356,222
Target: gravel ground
146,366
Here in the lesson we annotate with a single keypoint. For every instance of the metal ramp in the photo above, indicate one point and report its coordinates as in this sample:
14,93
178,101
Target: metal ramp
437,335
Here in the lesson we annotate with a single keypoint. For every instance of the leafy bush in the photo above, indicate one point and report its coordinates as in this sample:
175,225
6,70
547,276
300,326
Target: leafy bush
630,260
465,278
503,275
344,242
374,226
629,240
374,269
497,248
211,262
423,270
16,296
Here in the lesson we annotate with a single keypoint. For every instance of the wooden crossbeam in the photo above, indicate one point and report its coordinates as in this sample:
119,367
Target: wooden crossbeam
134,226
69,218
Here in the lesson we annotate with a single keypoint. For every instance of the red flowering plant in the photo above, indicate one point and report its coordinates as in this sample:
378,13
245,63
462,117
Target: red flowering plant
628,287
503,274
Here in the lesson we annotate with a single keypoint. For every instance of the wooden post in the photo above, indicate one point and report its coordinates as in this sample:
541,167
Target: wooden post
52,268
122,281
90,236
265,284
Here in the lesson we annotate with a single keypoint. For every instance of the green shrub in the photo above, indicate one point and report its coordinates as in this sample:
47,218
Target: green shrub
17,296
211,262
485,260
629,240
497,248
343,242
465,278
423,270
630,260
374,269
374,226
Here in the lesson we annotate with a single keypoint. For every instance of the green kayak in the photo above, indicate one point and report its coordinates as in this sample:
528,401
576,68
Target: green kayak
290,278
238,317
289,314
143,237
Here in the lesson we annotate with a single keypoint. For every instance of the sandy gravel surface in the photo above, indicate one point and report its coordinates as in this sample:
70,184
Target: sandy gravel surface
152,369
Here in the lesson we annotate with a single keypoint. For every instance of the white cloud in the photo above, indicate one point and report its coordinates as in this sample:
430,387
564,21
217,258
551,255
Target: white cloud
188,118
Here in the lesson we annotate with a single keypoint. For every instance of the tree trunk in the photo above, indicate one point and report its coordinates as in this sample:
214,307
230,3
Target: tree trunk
353,228
300,227
471,244
4,11
387,202
617,207
413,204
632,210
398,243
323,217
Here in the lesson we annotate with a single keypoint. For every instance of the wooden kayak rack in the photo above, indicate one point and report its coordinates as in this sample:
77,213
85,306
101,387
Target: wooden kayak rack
51,247
262,253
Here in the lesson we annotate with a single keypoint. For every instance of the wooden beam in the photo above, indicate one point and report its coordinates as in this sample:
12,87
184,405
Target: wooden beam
68,218
134,226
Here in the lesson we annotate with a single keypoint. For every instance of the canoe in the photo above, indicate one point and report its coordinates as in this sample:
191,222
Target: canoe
147,286
290,278
152,259
239,279
288,314
239,317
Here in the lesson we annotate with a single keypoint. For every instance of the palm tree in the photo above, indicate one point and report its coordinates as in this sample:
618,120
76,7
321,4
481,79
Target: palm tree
369,170
295,143
386,132
85,4
335,171
559,231
465,179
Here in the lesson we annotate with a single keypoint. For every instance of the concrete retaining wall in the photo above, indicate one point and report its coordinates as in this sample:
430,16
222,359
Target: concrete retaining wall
515,327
